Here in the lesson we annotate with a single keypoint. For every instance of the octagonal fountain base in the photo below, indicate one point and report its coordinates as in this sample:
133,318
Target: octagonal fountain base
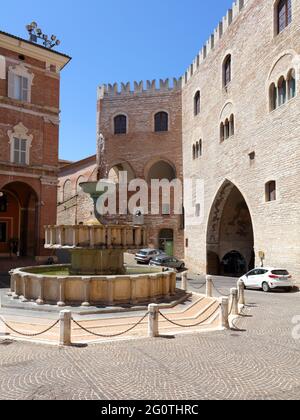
54,285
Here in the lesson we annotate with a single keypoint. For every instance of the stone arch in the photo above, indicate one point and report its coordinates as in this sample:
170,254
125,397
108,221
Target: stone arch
160,169
79,181
281,66
67,190
121,166
22,218
227,110
229,228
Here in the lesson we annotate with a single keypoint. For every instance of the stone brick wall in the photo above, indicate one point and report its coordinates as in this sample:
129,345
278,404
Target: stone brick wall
75,207
258,57
142,147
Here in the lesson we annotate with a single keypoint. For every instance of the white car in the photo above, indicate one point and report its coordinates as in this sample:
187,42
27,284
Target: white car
268,279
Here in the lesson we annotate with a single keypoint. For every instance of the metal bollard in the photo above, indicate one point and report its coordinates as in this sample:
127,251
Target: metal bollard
241,289
209,286
224,321
234,302
184,281
153,331
65,320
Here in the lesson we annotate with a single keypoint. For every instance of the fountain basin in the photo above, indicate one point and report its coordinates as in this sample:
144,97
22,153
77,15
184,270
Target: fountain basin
55,285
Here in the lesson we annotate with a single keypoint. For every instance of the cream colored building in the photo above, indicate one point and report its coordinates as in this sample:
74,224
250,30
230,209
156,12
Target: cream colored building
250,160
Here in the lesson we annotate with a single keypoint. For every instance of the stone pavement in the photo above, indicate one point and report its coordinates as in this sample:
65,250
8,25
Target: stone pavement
259,362
191,312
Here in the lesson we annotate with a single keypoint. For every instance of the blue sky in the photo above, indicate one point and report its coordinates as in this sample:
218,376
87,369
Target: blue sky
113,41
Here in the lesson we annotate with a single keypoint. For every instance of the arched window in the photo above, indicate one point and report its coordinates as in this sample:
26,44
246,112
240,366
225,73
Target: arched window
67,190
283,14
120,124
271,194
231,128
222,132
197,150
227,129
197,103
194,152
273,97
161,121
281,91
291,84
200,148
79,181
227,71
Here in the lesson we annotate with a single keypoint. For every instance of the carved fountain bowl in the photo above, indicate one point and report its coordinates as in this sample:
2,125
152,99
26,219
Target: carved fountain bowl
54,285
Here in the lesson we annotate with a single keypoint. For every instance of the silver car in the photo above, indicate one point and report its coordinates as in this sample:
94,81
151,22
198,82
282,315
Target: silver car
168,262
145,256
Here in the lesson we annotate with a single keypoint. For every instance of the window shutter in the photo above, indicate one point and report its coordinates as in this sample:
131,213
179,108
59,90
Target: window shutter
2,68
11,85
25,89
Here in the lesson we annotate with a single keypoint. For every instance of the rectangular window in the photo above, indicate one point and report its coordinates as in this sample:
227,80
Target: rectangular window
20,151
284,14
3,232
21,88
271,194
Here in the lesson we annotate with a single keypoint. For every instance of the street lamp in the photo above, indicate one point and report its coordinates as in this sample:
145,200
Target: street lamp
35,33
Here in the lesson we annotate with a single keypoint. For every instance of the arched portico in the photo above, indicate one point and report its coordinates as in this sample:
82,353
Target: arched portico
230,235
18,219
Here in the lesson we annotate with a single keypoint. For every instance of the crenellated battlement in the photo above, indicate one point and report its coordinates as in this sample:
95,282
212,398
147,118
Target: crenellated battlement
151,86
224,24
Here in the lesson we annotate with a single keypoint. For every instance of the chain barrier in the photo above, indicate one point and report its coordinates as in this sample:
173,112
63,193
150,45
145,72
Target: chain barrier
190,326
113,335
196,287
219,291
29,335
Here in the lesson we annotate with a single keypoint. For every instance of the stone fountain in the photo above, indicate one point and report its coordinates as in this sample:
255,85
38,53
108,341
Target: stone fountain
97,274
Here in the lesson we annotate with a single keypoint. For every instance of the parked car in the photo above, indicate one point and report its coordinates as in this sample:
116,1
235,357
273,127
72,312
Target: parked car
144,256
268,279
168,262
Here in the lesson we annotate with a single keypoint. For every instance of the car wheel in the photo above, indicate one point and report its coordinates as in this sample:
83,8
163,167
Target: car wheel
266,287
182,267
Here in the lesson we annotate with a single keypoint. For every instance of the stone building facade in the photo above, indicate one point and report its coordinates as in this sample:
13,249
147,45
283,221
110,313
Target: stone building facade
248,125
233,125
140,146
75,207
142,130
29,134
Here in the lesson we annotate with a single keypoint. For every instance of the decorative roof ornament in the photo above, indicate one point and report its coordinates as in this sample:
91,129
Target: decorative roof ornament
35,33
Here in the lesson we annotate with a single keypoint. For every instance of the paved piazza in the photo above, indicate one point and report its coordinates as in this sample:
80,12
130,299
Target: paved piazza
259,362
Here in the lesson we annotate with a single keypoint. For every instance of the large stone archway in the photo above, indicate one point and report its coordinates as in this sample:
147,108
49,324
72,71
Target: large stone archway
230,235
19,213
